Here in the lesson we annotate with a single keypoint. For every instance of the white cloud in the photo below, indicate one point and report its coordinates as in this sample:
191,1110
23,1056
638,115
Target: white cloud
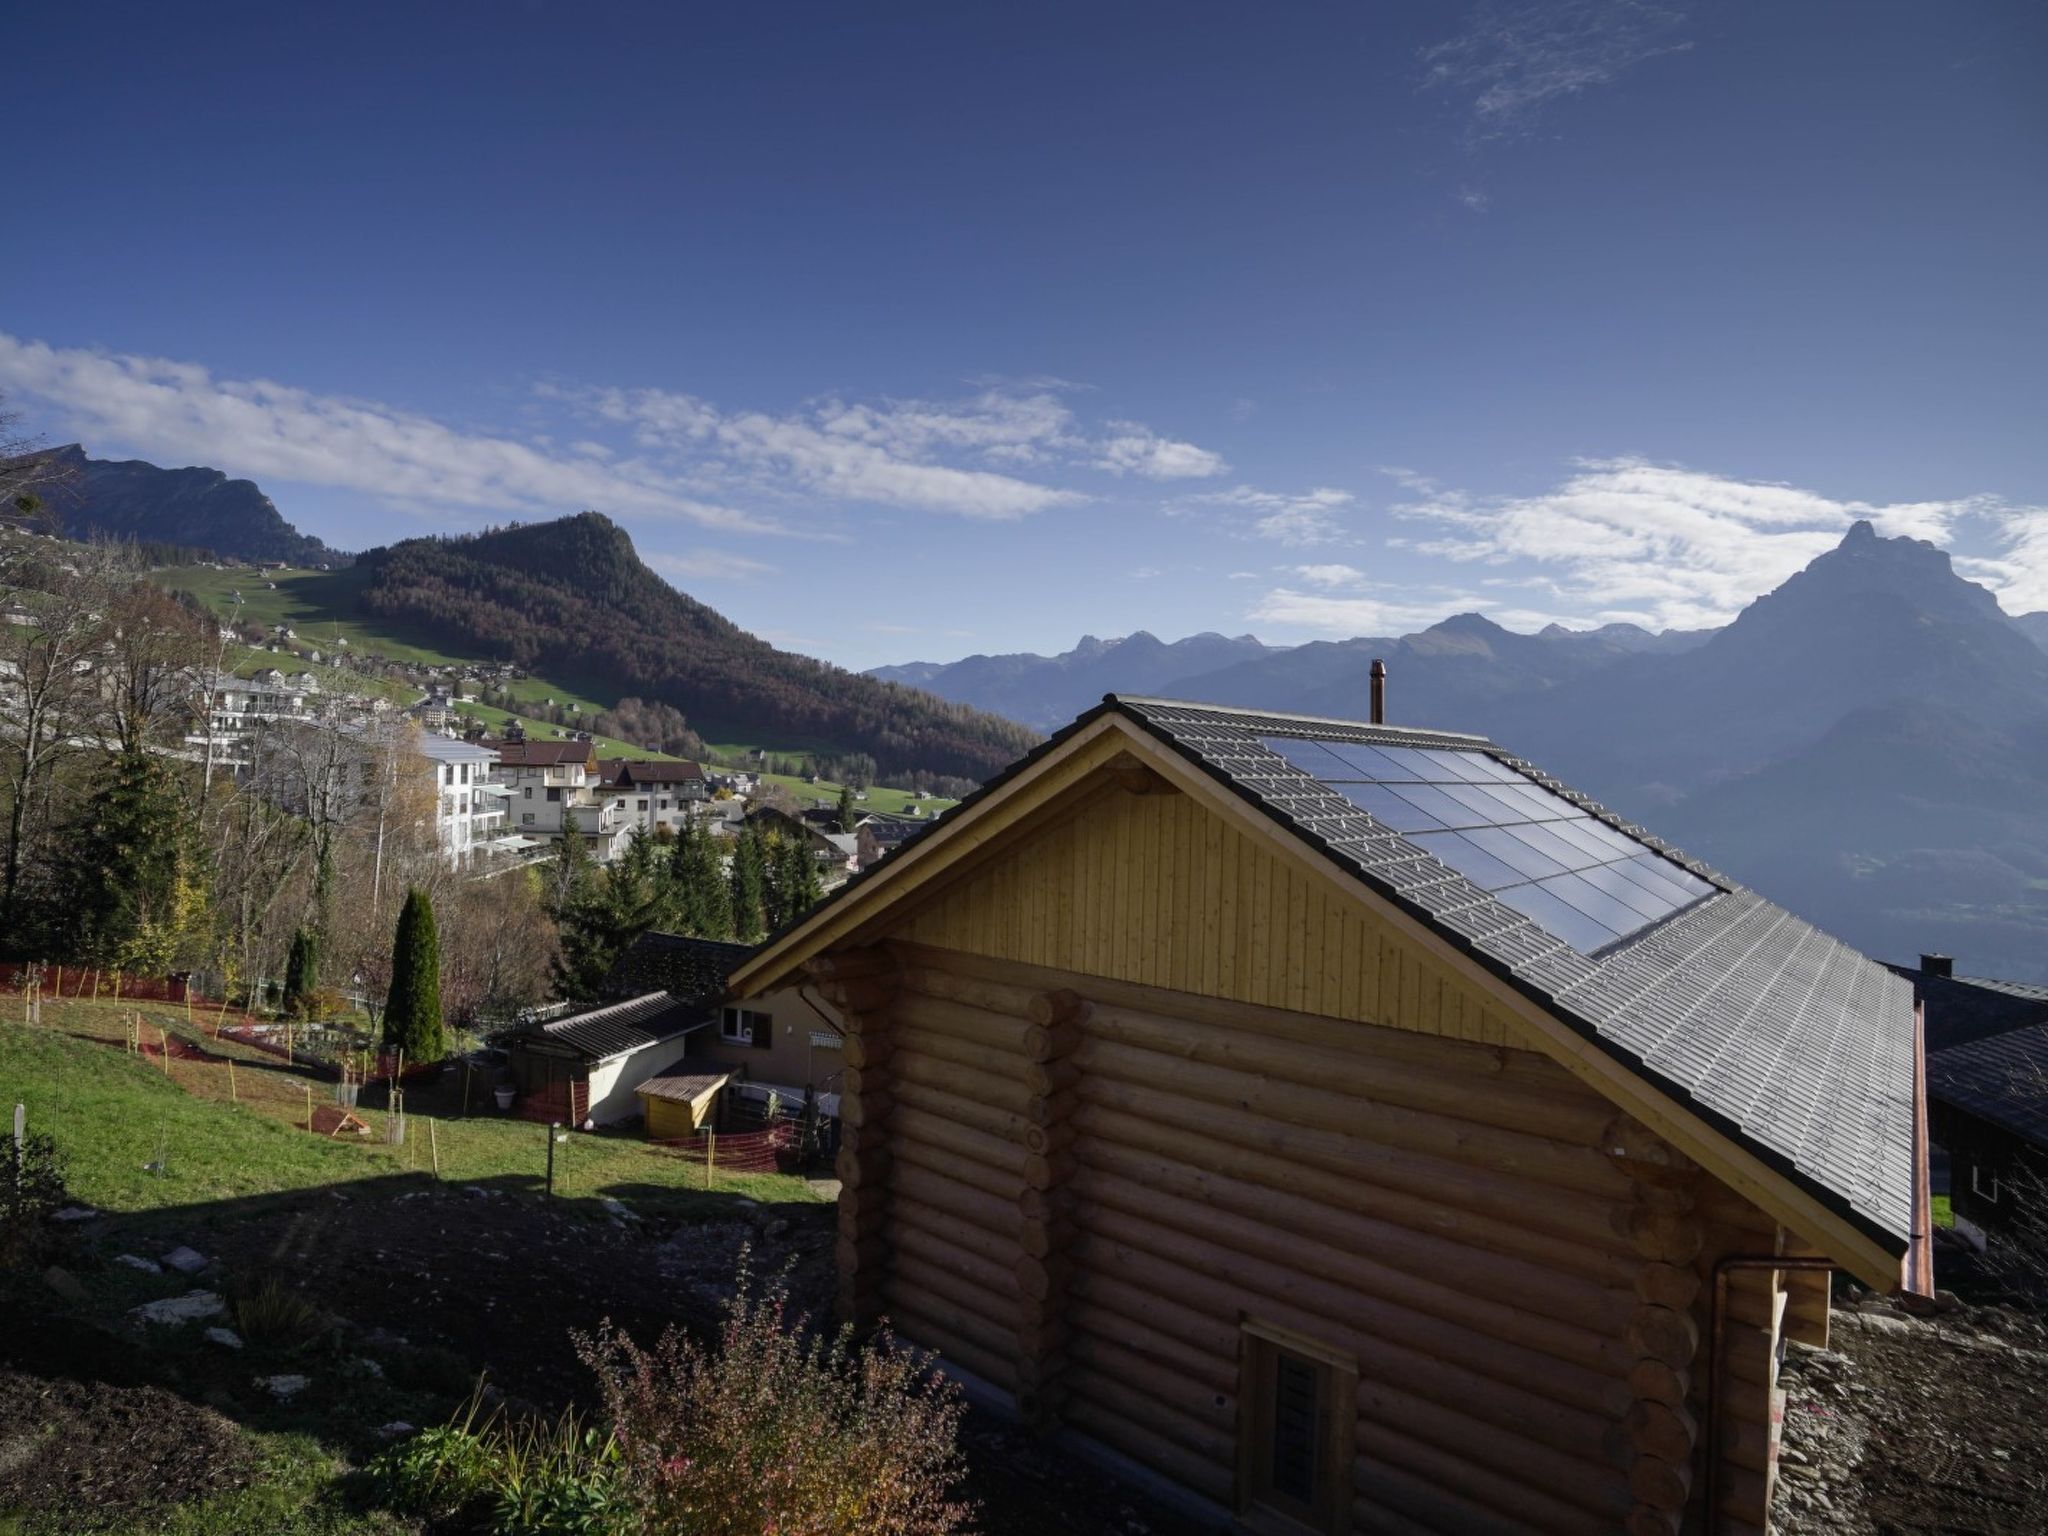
1330,575
1376,612
1294,520
1138,450
1666,546
181,413
709,565
1511,62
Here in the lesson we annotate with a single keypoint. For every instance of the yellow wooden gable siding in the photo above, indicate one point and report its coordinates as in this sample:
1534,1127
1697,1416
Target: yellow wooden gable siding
1156,889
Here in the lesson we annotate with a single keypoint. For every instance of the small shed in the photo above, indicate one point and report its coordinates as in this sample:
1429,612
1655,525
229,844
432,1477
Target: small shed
588,1065
681,1103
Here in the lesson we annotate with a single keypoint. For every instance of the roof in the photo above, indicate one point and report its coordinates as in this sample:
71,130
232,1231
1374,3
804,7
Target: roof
542,754
1782,1039
687,967
2001,1078
1965,1008
446,749
683,1088
599,1034
636,771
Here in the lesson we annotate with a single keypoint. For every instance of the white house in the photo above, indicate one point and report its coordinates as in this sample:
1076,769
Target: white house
469,809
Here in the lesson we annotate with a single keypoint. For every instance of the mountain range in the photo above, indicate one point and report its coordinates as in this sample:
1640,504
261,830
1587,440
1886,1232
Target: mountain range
196,508
1865,744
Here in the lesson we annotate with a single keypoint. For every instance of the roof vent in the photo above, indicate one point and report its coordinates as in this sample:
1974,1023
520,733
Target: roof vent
1379,691
1938,965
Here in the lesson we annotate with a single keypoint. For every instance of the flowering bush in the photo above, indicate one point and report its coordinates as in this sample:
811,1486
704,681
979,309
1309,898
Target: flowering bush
776,1434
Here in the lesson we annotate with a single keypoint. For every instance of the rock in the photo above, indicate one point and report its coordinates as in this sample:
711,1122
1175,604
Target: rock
226,1338
776,1229
64,1283
188,1308
1884,1323
284,1388
366,1367
618,1209
395,1429
77,1213
186,1261
137,1261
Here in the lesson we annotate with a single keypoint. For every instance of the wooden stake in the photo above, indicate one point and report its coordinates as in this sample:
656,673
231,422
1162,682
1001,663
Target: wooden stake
710,1155
434,1148
233,1096
117,986
288,1047
309,1106
95,983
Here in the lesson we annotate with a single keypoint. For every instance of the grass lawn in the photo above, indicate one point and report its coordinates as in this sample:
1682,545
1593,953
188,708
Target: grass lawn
1940,1210
113,1114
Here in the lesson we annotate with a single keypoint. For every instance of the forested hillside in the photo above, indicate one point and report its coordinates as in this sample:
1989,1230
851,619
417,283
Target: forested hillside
572,597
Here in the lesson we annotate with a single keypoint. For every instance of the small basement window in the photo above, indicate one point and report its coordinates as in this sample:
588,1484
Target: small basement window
745,1026
1984,1186
1297,1416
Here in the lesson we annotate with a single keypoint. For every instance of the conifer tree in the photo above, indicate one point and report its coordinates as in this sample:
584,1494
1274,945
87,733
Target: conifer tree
794,886
749,886
847,814
412,1013
700,896
133,892
301,971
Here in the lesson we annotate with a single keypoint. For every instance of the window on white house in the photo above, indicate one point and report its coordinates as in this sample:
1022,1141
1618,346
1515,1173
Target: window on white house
526,819
554,793
1297,1418
643,805
746,1026
1983,1185
526,793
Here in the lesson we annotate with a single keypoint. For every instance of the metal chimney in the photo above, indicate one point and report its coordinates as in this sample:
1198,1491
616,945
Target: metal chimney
1379,691
1937,965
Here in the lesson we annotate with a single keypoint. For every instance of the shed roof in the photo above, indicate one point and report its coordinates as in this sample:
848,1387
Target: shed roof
598,1034
2000,1078
1774,1035
1965,1008
683,1088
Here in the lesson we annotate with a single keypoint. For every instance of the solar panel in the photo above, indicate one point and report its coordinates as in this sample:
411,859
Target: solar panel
1571,874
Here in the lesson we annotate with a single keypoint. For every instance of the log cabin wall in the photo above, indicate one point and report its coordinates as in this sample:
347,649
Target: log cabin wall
1137,1082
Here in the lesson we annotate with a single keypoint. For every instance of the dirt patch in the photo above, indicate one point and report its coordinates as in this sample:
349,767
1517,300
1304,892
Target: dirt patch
1917,1425
109,1448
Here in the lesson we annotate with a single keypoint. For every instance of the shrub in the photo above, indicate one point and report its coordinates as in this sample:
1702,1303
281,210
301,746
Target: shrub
271,1315
31,1192
439,1474
776,1432
530,1478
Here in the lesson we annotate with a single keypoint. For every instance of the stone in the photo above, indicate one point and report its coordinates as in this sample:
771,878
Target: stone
64,1283
188,1308
137,1261
186,1261
76,1213
226,1338
618,1209
1886,1324
284,1388
395,1429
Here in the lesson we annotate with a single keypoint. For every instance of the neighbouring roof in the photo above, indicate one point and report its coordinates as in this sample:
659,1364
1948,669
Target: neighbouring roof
1794,1045
446,749
542,754
599,1034
1965,1008
687,967
635,771
2000,1078
685,1088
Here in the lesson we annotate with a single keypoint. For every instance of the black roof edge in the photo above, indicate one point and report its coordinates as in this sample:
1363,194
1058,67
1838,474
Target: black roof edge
1715,1119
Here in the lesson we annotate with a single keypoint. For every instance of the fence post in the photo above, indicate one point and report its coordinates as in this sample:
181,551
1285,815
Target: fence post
233,1096
434,1147
553,1127
710,1155
163,1043
309,1106
20,1140
95,983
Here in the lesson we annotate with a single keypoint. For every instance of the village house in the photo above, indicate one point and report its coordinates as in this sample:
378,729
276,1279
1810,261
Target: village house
837,853
469,813
785,1042
1341,1127
586,1068
236,708
875,837
553,791
653,794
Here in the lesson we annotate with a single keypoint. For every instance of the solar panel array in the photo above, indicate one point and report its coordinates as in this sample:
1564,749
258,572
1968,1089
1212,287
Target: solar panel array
1570,873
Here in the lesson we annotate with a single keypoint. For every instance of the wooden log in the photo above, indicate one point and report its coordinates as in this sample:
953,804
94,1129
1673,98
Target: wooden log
1206,1230
847,964
1532,1508
1041,1278
998,1249
961,1111
861,1166
998,1183
962,1201
950,1135
1645,1521
1662,1485
993,1034
988,996
1288,1108
1105,1338
1041,1239
1668,1285
864,1109
1481,1098
1048,1170
1660,1333
904,1294
1005,1093
1045,1140
1064,1006
1745,1495
1363,1192
1567,1363
959,1050
1476,1270
1184,1420
1051,1078
1663,1237
1393,1501
911,1274
992,1366
858,995
1209,1478
1652,1381
865,1049
1052,1042
1594,1486
933,1251
1656,1429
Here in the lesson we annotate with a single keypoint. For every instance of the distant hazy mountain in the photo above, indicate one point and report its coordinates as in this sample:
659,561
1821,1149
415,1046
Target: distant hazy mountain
1046,691
197,508
2034,626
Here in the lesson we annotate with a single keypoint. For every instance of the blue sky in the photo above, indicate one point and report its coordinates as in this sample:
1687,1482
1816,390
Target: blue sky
916,330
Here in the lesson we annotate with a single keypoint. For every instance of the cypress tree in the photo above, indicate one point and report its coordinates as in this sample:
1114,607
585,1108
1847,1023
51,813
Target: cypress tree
847,814
749,885
301,971
412,1013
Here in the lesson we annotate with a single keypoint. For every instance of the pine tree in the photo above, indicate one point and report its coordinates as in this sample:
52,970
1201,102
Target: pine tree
749,885
301,972
794,886
701,899
133,890
412,1011
847,813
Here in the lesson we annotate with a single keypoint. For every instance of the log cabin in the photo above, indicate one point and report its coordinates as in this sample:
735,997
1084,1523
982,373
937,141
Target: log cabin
1343,1127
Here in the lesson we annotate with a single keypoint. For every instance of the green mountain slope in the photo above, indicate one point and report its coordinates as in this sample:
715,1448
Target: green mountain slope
197,508
572,599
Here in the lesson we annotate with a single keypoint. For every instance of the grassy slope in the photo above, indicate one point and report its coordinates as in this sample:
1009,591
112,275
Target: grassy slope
319,605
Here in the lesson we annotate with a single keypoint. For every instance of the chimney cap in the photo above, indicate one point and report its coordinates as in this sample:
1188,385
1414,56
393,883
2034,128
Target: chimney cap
1938,965
1379,691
